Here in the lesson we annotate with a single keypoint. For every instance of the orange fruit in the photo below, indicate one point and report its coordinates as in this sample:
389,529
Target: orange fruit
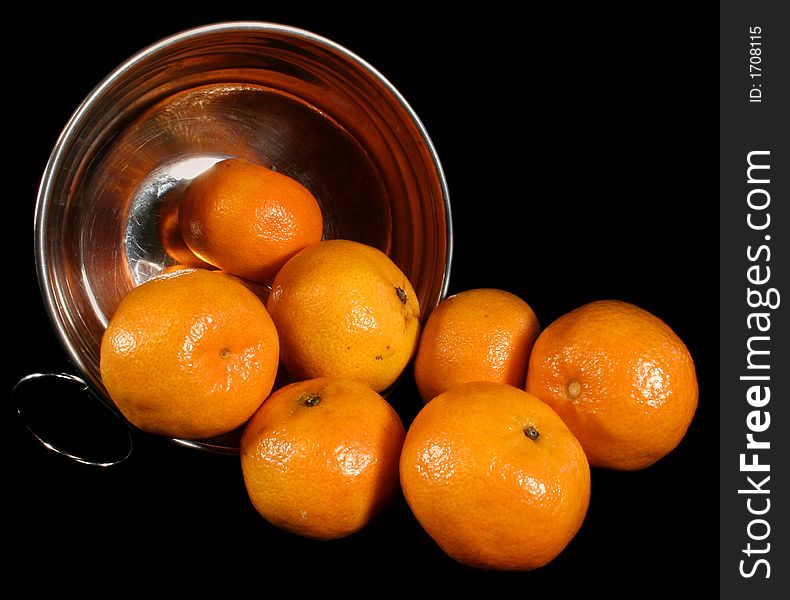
495,477
189,354
621,379
475,335
320,457
248,219
344,309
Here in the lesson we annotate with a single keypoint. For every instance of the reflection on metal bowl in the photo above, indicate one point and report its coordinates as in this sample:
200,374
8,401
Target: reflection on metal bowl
272,94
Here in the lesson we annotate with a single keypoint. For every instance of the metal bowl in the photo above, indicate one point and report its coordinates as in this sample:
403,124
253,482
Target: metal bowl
273,94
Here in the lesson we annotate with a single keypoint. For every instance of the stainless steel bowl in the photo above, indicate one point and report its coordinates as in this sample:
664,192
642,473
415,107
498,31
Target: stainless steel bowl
273,94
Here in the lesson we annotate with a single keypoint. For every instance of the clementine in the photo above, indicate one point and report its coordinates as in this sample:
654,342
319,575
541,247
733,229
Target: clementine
344,309
320,457
475,335
189,354
247,219
495,477
621,379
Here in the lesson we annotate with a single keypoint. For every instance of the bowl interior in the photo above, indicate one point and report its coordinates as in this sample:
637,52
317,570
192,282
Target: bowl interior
274,95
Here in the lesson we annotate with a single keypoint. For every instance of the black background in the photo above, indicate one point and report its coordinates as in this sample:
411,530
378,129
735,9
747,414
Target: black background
579,151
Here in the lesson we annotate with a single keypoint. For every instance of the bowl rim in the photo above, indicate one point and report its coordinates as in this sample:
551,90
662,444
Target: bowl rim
54,163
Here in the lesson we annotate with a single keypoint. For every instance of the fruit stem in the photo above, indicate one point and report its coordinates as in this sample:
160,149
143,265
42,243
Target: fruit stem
401,294
532,433
310,399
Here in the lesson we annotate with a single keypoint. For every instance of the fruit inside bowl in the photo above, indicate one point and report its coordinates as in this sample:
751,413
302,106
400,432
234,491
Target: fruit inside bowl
272,95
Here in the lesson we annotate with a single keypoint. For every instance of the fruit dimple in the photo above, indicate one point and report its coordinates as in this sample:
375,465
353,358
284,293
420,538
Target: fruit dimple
574,389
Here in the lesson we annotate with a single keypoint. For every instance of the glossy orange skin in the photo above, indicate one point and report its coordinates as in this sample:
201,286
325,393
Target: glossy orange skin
344,309
320,457
475,335
621,379
490,495
189,354
247,219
